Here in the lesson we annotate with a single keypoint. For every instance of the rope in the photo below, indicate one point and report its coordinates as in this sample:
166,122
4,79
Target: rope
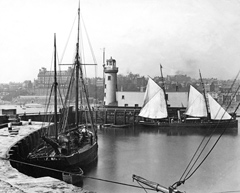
229,191
186,178
93,55
89,177
142,186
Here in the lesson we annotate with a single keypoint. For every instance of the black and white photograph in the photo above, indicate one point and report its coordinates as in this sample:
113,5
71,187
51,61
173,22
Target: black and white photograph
105,96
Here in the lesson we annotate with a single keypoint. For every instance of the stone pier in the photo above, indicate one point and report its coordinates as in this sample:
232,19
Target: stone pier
11,180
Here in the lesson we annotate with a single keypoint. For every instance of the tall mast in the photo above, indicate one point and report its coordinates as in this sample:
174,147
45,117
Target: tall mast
163,87
77,63
79,75
103,69
103,64
55,87
204,94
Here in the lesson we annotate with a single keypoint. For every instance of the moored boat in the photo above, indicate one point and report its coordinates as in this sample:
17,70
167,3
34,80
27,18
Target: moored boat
201,112
67,144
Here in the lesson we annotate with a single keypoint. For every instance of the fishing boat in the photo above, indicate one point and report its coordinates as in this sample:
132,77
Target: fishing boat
202,111
67,144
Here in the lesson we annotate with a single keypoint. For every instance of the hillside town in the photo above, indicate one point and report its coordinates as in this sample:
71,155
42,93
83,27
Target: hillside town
35,91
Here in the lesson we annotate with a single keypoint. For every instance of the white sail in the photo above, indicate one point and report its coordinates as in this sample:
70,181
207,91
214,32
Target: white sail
216,111
196,104
154,105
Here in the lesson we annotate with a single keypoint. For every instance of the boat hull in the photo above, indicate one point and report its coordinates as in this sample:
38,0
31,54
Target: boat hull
81,159
203,125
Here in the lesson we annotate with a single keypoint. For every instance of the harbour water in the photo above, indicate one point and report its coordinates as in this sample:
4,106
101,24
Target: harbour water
162,157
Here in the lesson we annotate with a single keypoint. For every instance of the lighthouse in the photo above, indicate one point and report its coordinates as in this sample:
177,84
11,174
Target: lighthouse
110,71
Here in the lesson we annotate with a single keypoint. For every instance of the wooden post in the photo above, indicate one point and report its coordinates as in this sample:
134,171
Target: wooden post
125,116
115,117
81,115
96,116
105,116
86,116
134,116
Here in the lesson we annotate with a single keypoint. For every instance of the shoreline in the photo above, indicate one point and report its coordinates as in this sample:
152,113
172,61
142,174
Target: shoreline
12,180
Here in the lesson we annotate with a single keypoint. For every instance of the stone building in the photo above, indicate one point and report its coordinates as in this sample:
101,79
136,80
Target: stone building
45,80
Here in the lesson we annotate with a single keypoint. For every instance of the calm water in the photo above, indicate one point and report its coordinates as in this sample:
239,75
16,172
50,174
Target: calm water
162,157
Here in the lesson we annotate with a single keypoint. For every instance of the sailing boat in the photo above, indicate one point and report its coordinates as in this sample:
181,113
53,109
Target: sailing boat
71,144
156,112
200,108
154,105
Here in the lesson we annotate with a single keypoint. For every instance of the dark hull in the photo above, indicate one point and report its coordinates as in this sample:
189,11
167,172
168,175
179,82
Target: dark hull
121,126
81,159
202,125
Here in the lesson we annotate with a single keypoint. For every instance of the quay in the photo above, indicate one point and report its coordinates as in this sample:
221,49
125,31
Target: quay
11,179
117,116
114,116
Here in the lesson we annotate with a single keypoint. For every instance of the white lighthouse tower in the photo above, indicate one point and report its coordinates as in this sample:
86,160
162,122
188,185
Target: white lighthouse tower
110,89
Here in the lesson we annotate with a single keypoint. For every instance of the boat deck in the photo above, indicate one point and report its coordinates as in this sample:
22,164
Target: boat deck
12,180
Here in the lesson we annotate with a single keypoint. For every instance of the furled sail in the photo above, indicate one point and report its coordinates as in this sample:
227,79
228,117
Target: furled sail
154,105
196,104
216,111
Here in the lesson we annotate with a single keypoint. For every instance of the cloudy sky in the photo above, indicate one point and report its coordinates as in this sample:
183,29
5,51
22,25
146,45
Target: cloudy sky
183,35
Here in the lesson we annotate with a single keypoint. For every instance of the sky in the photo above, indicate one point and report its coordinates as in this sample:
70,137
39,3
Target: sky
184,36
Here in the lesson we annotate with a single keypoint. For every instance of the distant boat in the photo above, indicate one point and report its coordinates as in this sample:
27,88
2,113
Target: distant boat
67,144
208,109
32,105
155,111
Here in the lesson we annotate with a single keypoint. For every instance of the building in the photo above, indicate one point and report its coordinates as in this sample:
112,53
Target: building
115,98
135,99
45,80
110,88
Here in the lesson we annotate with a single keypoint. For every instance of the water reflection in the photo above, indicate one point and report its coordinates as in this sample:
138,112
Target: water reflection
161,155
136,130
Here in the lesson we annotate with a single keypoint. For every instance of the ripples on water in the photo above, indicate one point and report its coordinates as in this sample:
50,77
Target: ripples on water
162,156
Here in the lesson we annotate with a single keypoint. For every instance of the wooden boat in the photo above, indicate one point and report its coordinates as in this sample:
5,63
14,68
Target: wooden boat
69,144
198,114
121,126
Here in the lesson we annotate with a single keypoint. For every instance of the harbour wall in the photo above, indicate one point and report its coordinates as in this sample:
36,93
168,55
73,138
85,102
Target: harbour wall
110,115
15,144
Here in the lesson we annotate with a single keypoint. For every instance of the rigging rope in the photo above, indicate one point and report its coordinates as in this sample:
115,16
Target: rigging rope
186,176
93,55
47,106
228,191
89,177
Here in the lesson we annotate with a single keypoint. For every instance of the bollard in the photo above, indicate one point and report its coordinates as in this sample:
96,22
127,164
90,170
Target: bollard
9,126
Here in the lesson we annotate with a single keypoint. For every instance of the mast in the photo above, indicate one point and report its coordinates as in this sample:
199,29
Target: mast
80,76
103,69
204,94
77,63
163,87
55,87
